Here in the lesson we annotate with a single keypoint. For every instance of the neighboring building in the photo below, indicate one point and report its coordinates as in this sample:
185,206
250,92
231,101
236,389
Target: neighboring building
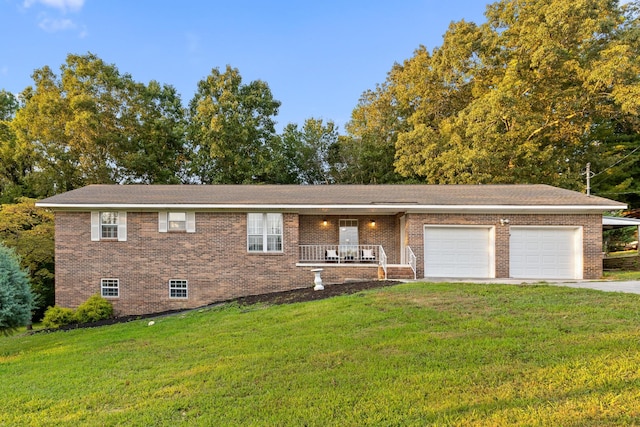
151,248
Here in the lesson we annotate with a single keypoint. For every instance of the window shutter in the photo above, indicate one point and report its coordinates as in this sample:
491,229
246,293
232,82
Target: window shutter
122,226
191,222
95,226
162,222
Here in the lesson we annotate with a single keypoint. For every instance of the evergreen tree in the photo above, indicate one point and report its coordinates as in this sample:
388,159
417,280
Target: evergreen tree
16,299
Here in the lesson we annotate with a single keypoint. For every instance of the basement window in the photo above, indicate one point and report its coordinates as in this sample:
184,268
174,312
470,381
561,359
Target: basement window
110,288
178,288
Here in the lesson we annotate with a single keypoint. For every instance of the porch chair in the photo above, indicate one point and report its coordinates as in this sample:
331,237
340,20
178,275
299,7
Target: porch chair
331,255
367,255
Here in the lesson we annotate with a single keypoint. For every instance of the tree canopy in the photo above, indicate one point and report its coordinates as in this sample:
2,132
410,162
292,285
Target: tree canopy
29,231
307,151
531,95
95,125
14,165
232,129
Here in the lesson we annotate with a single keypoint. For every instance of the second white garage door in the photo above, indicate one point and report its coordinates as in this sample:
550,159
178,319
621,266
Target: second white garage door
464,252
545,252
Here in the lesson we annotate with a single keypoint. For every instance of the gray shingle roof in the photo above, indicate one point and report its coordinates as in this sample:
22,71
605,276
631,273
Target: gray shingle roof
290,196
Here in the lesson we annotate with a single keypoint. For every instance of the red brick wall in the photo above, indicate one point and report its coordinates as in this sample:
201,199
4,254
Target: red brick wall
591,223
214,260
218,267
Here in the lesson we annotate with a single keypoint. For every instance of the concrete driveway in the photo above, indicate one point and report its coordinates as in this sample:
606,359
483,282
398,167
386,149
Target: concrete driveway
632,287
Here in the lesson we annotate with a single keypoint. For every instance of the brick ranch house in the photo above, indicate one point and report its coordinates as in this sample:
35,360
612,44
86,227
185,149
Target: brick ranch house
151,248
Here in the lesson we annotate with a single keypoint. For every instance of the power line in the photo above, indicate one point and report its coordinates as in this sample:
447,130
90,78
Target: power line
617,193
616,163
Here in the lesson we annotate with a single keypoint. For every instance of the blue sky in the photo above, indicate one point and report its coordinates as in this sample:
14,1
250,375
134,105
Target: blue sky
317,57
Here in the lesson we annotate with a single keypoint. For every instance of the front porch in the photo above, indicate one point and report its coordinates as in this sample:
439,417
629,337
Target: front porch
373,242
357,256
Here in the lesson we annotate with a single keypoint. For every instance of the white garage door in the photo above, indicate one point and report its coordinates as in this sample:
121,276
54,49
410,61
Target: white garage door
545,252
458,252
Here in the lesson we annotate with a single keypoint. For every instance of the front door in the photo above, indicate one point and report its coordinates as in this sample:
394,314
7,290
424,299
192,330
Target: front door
349,238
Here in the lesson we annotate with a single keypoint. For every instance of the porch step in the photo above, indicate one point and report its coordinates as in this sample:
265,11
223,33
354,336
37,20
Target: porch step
397,272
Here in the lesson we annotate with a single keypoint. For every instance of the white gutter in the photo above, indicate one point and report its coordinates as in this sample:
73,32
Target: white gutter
364,207
620,221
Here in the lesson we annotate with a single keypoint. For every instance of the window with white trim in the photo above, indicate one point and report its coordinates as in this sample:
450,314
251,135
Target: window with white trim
264,232
110,288
177,221
178,288
108,225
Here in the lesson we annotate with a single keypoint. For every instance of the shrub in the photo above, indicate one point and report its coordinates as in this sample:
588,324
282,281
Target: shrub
94,309
56,317
16,299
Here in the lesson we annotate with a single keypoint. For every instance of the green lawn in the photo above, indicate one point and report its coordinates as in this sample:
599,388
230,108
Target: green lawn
622,275
413,354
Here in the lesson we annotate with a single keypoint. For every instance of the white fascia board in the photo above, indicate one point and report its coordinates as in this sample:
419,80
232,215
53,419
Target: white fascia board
620,221
411,208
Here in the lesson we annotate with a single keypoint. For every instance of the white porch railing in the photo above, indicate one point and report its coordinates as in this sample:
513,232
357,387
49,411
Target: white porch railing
383,262
410,257
343,254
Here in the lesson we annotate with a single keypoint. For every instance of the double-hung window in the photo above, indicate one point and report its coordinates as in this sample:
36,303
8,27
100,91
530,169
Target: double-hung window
109,225
264,232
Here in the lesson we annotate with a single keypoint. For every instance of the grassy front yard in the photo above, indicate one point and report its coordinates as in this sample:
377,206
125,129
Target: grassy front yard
414,354
622,275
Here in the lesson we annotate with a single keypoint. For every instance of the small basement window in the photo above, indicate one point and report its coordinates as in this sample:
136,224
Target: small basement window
110,288
178,288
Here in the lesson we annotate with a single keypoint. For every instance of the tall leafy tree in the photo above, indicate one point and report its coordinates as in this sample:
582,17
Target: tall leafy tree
232,129
307,150
366,155
532,95
29,231
15,163
155,150
96,125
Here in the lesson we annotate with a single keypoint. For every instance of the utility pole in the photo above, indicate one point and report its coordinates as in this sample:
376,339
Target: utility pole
588,179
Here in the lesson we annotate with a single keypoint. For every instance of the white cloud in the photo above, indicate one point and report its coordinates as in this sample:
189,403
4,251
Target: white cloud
53,21
53,25
62,5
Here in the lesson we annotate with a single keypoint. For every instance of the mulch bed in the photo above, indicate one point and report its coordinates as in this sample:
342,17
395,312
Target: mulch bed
275,298
308,294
